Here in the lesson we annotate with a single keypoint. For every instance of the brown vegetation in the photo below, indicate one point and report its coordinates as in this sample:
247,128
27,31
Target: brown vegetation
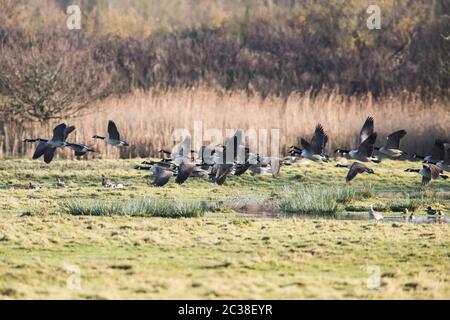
147,119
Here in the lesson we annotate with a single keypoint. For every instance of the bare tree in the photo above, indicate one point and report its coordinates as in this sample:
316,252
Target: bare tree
49,83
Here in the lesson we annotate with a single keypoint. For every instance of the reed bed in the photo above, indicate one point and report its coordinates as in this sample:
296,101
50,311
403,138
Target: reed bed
147,119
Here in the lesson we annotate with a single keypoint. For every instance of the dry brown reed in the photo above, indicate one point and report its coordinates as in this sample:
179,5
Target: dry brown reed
147,119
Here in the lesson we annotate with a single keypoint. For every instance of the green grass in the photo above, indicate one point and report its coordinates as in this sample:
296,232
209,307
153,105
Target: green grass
151,207
230,249
319,201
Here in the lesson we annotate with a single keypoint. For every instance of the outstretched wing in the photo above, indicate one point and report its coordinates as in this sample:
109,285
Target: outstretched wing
67,131
49,154
319,140
366,147
305,144
393,140
366,130
40,150
447,153
112,131
355,168
162,177
58,132
434,171
437,153
184,172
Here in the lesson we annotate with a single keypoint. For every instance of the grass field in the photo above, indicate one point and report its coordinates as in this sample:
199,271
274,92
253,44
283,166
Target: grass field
237,241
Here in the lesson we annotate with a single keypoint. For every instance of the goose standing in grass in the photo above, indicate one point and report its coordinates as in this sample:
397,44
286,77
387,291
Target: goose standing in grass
113,136
314,150
429,172
365,143
392,146
356,168
48,148
374,214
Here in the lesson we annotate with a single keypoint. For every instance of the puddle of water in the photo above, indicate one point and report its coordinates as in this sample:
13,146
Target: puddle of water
347,217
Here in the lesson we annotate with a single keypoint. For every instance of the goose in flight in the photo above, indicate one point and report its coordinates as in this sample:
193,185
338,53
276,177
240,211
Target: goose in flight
48,148
314,150
445,163
80,149
355,169
113,136
437,152
429,172
365,143
392,146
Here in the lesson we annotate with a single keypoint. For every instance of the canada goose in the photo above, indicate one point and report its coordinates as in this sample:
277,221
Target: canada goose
161,176
356,168
47,148
392,146
375,215
341,160
365,143
222,172
80,149
314,150
429,172
445,163
184,172
437,152
113,136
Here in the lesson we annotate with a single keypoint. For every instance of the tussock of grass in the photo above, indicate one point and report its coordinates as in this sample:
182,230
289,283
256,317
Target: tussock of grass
399,205
319,201
136,207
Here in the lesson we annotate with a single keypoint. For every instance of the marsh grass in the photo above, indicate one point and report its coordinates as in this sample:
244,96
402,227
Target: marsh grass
318,201
146,120
153,207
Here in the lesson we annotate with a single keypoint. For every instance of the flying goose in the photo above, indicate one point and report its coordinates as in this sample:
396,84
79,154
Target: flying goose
365,143
161,176
47,148
80,149
445,163
392,146
374,214
356,168
437,152
184,172
314,150
429,172
113,136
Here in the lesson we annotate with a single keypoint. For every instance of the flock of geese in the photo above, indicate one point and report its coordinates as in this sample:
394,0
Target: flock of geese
234,157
